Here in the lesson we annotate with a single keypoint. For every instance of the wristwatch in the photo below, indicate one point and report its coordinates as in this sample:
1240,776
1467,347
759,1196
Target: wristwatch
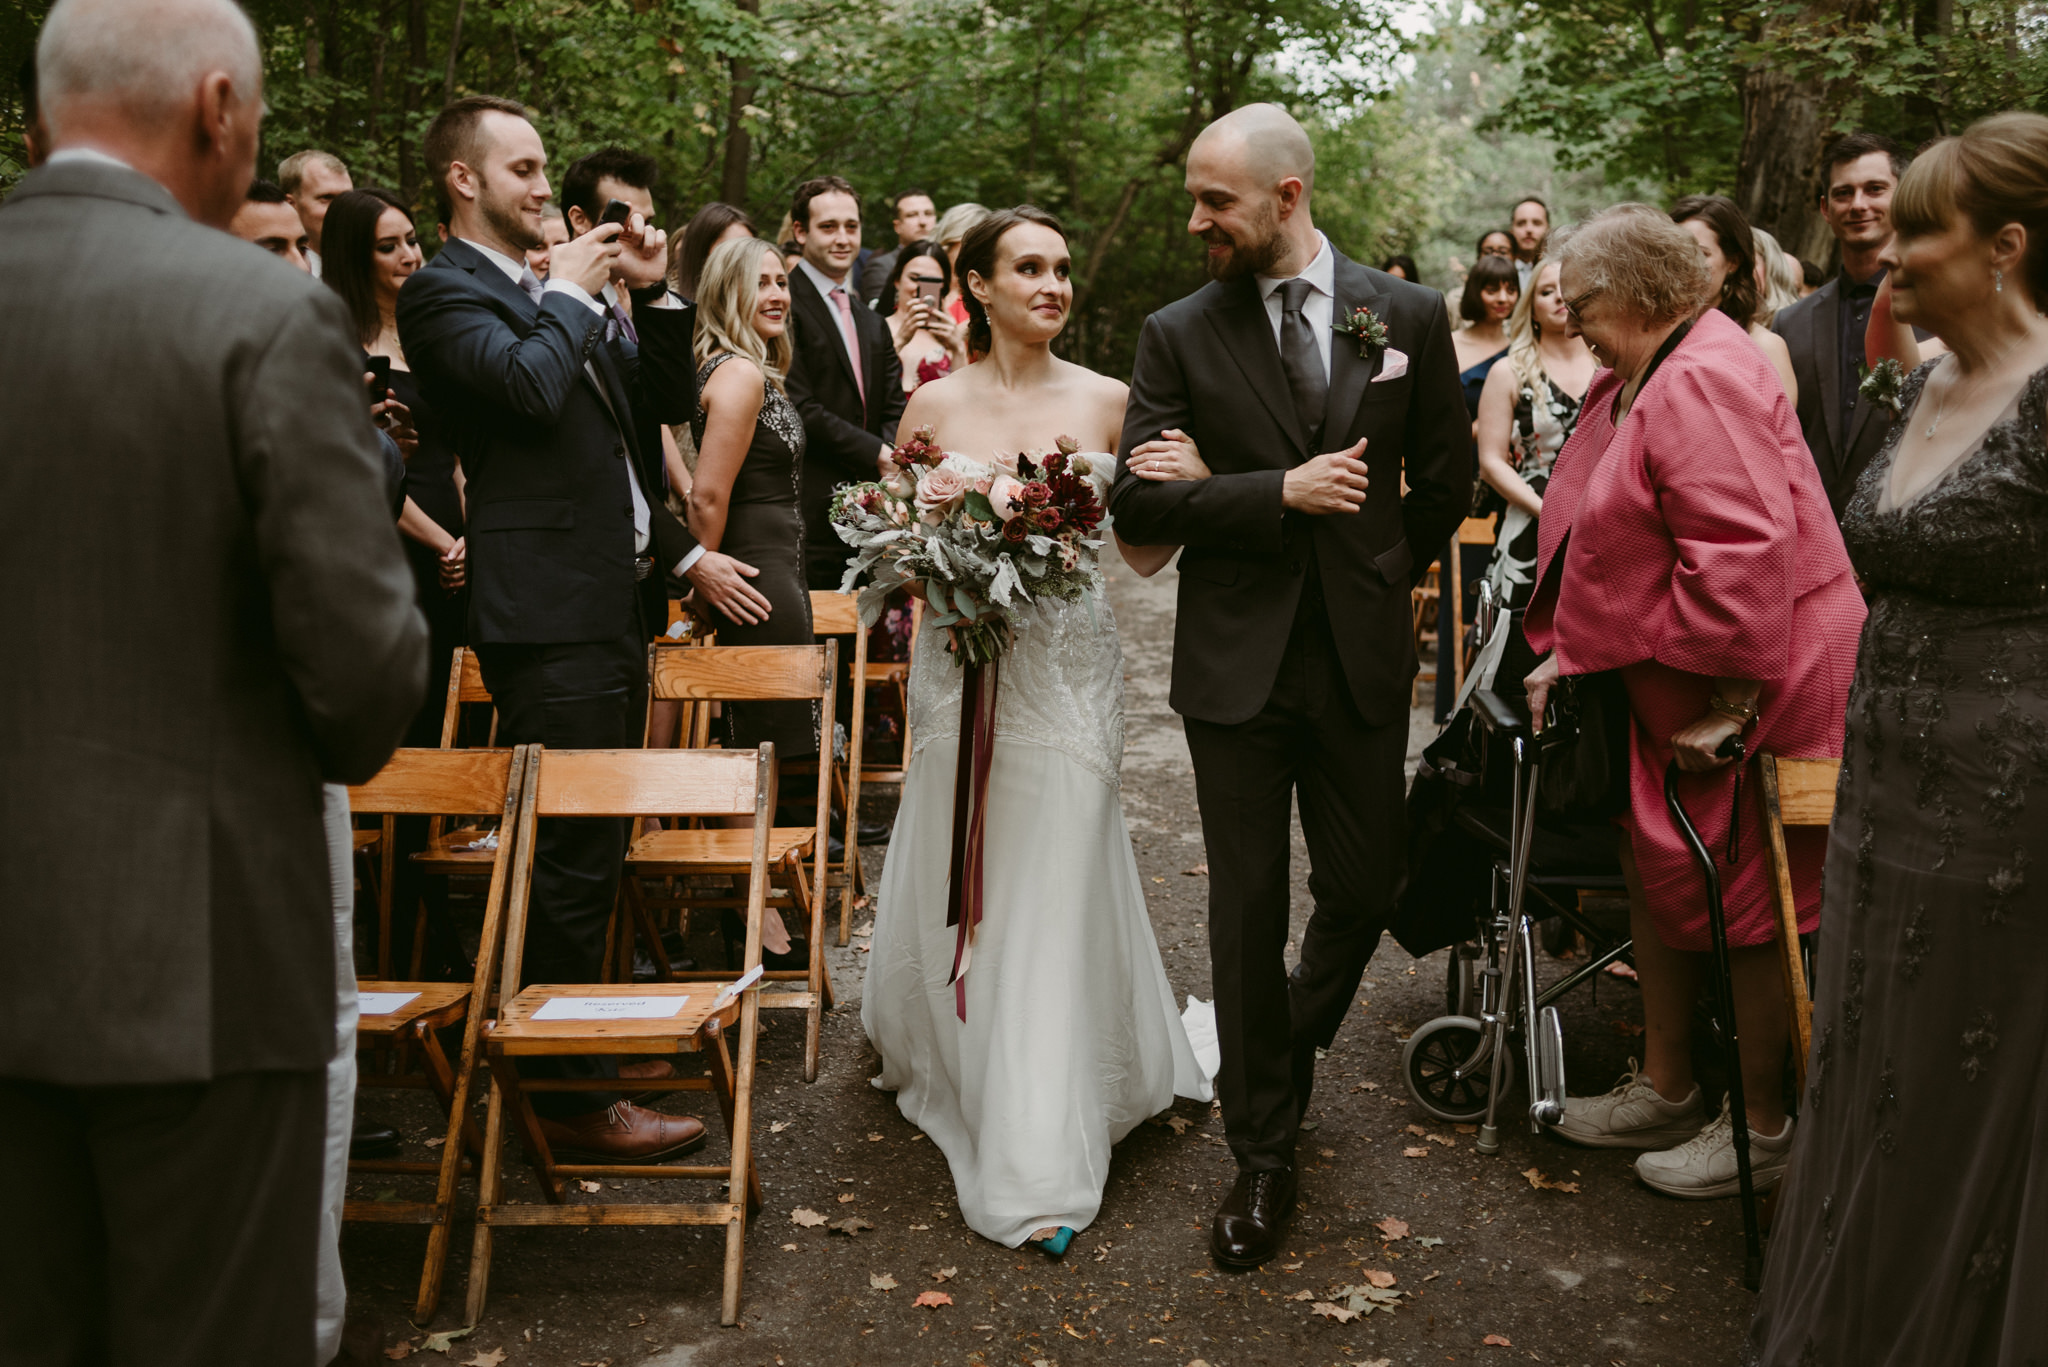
1744,711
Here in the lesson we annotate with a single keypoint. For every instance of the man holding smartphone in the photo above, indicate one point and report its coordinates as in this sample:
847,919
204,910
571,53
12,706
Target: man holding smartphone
567,535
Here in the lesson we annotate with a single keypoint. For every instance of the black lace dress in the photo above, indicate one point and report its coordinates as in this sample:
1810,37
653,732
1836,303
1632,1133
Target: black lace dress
765,528
1913,1228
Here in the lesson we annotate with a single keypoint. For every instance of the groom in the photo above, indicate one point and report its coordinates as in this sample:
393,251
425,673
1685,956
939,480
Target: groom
1311,385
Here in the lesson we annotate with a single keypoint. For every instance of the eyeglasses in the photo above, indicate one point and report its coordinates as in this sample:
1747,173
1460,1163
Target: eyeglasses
1572,306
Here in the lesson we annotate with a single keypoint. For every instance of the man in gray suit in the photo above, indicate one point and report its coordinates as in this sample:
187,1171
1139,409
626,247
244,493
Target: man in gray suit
205,611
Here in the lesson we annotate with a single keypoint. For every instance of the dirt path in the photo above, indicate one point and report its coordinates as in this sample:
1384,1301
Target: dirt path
1608,1274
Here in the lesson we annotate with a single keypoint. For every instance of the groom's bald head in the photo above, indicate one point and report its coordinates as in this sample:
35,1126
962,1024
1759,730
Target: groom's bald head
1251,174
1260,143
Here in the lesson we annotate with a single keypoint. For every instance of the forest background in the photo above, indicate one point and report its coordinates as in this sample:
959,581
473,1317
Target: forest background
1430,123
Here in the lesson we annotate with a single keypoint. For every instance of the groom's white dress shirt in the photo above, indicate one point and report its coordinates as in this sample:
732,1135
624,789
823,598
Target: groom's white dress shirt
1320,307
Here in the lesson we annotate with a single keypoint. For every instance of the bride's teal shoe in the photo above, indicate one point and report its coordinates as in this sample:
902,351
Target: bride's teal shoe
1056,1244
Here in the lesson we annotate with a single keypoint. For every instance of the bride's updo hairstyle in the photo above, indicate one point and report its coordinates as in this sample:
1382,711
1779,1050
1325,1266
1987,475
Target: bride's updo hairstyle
978,254
1994,173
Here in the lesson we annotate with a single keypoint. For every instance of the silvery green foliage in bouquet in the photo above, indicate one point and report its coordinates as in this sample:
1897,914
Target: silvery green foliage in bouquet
977,540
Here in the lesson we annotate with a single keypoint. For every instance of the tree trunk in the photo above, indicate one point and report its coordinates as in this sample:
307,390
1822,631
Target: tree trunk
454,49
1787,124
738,144
415,79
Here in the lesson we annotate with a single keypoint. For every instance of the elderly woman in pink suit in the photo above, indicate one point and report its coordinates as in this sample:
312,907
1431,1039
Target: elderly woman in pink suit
1687,543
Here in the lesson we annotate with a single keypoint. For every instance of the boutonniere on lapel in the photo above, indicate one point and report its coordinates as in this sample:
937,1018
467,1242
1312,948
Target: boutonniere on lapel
1884,384
1365,325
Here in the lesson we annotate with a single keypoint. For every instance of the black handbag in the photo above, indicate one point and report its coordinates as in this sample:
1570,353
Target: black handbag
1585,748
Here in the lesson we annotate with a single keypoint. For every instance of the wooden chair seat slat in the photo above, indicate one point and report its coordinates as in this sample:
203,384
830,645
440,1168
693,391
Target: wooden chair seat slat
438,1004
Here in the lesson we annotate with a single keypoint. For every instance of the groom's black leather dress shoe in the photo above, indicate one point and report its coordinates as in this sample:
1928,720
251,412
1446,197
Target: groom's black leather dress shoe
1247,1228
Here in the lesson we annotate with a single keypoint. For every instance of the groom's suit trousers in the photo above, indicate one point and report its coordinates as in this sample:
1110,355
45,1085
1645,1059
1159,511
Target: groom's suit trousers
1308,743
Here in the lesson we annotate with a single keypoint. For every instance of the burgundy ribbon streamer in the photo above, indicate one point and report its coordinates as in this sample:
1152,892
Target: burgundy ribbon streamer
970,817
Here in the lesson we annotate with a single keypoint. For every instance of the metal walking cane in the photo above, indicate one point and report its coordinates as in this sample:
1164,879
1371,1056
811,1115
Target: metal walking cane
1724,982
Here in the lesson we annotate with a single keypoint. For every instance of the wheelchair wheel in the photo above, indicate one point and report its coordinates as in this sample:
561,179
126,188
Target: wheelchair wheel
1430,1059
1461,979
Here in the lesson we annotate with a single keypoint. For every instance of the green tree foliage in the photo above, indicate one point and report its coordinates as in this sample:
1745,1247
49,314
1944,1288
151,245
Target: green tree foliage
1741,96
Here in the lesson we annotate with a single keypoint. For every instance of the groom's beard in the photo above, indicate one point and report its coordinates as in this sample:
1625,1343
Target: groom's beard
1254,258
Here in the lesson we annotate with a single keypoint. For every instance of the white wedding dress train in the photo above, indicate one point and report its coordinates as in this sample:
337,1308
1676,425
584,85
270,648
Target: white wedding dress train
1071,1037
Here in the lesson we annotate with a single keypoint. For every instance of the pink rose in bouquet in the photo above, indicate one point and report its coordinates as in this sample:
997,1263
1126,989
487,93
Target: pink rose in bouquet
1005,495
938,491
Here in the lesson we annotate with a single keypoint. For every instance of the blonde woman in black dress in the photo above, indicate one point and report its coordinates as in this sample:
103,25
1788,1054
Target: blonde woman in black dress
750,446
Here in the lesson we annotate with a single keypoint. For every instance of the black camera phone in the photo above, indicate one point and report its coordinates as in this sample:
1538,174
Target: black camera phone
617,211
380,376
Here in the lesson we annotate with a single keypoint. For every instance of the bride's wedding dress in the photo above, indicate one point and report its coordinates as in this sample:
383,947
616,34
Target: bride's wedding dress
1071,1036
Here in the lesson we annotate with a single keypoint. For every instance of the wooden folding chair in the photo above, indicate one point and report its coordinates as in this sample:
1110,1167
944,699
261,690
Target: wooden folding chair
706,674
1473,531
557,1019
1796,792
435,782
448,852
833,615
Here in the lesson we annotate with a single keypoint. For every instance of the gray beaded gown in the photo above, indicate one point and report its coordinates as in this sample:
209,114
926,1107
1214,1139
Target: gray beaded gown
1913,1227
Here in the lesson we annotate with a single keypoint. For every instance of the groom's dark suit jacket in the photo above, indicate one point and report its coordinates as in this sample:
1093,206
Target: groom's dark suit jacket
1209,365
550,513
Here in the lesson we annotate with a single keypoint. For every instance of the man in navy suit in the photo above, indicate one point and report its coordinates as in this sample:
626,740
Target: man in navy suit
544,389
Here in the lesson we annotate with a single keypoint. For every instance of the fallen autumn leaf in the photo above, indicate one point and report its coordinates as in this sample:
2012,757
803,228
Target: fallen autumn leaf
881,1281
490,1359
934,1299
805,1216
1380,1279
1393,1228
1497,1341
1330,1310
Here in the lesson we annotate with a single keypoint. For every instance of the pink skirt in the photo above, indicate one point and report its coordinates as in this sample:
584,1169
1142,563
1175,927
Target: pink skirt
1800,718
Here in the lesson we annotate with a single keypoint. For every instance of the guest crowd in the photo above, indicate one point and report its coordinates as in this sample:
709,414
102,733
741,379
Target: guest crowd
521,418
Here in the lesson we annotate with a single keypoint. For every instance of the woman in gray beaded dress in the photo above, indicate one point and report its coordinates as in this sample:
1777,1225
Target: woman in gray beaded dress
1913,1228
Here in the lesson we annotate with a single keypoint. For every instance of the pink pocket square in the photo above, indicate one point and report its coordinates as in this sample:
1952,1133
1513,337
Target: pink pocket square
1393,367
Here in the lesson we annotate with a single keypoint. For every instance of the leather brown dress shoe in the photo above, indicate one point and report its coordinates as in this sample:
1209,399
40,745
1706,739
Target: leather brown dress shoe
623,1133
1247,1228
647,1070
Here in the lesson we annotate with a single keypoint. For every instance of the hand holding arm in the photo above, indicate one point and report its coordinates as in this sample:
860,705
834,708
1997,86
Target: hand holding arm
732,406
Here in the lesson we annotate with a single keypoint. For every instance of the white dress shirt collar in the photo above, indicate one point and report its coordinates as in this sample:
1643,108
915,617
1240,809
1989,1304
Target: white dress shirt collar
1321,274
513,269
85,154
825,283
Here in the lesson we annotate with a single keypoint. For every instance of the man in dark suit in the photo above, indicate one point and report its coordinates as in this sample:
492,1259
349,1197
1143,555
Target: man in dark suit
1310,385
567,534
846,381
207,612
1824,331
915,217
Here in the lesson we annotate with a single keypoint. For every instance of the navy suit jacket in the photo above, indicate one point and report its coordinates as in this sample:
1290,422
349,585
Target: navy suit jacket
550,524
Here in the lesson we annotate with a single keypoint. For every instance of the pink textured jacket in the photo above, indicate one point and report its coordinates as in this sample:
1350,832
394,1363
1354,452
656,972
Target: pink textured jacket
1695,541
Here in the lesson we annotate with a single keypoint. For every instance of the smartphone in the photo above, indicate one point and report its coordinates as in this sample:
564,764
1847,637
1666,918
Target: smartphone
617,211
931,290
380,377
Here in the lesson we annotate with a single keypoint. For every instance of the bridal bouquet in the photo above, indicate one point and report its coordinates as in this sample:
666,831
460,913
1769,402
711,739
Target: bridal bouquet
978,540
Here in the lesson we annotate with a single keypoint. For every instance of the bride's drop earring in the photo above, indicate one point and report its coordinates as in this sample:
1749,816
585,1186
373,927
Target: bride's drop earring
1997,281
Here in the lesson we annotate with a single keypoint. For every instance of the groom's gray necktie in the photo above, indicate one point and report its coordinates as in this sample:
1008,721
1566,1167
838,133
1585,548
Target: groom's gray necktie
1302,359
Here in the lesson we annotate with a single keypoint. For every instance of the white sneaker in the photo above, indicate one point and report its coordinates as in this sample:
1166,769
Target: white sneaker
1632,1116
1704,1166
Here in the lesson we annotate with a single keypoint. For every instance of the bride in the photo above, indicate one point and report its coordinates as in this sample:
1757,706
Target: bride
1070,1036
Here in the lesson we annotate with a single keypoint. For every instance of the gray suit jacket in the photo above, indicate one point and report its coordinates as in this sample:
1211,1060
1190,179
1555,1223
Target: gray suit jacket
203,612
1812,329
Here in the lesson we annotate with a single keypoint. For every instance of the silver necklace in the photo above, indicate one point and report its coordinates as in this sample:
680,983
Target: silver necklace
1941,409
